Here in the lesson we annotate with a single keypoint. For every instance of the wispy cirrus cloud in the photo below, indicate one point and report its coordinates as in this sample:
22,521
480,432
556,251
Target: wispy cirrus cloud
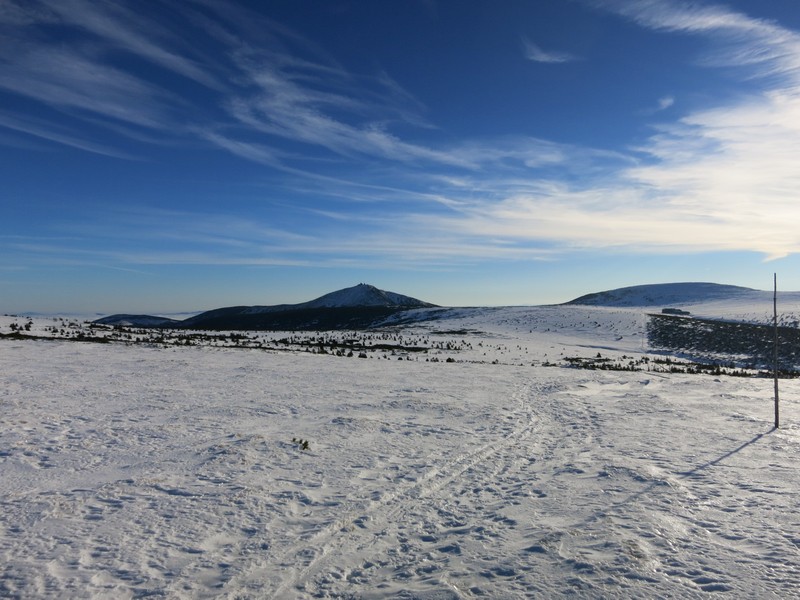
724,179
65,79
535,53
326,108
115,25
662,104
267,84
717,178
742,41
281,100
47,131
665,102
721,178
84,73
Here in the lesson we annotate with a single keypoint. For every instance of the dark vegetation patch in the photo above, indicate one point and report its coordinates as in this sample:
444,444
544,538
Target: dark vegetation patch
461,332
380,344
308,319
662,365
748,345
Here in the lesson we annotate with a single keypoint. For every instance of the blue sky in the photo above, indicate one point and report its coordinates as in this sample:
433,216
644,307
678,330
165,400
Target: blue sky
164,156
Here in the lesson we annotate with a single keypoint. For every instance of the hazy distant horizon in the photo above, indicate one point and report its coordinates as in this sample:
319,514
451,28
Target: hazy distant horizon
183,313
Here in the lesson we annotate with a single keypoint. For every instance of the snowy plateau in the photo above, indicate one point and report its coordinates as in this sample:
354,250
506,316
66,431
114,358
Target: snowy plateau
462,456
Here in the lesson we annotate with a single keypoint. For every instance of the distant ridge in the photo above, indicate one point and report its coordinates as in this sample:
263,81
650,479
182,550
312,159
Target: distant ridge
364,306
137,321
360,306
663,294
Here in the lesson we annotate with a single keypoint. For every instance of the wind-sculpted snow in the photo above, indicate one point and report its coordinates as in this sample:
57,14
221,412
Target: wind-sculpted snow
138,470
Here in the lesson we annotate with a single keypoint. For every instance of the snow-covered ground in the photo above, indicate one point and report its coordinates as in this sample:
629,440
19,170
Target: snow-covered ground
137,470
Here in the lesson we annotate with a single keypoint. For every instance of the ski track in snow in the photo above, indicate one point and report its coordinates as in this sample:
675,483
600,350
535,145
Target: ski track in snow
393,538
133,472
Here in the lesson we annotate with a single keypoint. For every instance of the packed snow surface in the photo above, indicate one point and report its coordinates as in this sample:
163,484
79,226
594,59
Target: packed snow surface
131,471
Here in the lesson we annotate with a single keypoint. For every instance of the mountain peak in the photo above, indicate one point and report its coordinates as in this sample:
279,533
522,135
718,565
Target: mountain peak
364,294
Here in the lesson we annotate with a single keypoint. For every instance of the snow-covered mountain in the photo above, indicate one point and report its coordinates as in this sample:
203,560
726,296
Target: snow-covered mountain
364,306
356,307
364,294
666,294
361,295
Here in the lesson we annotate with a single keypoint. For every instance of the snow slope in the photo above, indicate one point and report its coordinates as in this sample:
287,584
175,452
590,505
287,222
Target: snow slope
665,294
701,299
137,470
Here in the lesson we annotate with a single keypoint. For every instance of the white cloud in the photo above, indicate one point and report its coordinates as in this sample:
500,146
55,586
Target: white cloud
47,131
665,102
247,150
537,54
126,29
743,41
64,78
722,178
296,104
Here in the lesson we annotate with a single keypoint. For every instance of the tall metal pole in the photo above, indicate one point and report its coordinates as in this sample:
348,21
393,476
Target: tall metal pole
775,319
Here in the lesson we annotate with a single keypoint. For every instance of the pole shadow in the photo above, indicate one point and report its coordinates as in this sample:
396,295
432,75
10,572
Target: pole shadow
718,460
